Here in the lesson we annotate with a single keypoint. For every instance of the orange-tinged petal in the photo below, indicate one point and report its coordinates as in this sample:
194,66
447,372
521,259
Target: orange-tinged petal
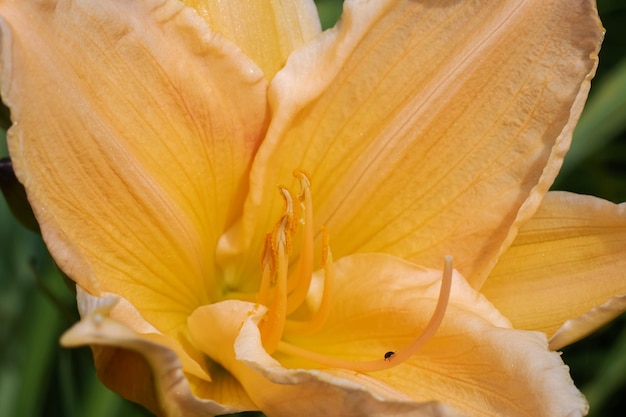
119,309
134,127
266,31
235,342
568,259
582,326
428,128
475,362
129,362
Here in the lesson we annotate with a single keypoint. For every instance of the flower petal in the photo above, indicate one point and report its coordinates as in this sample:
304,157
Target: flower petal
568,259
266,31
234,341
475,362
129,362
134,127
427,128
119,309
582,326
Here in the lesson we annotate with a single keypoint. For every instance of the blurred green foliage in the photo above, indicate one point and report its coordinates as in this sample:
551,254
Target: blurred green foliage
38,378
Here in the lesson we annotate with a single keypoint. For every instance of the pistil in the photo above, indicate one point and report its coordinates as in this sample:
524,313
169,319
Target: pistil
388,359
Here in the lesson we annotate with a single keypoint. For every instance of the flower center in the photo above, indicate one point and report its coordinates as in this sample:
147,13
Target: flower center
283,291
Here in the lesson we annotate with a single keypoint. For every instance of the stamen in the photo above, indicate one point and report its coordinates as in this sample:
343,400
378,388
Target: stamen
389,359
301,277
277,263
273,326
317,320
267,266
287,225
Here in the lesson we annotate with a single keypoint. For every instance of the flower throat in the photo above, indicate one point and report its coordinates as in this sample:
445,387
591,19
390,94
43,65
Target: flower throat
283,291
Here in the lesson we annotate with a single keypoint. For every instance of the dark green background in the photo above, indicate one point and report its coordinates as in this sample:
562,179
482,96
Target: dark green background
38,378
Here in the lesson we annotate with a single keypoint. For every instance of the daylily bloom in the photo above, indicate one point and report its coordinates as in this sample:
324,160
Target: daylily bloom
262,216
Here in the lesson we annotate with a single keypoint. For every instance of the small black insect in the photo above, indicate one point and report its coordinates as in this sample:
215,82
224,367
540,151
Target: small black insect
389,355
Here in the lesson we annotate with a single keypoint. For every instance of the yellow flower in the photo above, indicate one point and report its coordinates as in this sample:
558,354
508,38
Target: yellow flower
257,214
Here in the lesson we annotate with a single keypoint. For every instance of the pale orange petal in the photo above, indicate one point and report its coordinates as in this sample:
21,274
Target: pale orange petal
428,129
134,127
234,341
475,362
130,363
266,31
569,258
119,309
582,326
